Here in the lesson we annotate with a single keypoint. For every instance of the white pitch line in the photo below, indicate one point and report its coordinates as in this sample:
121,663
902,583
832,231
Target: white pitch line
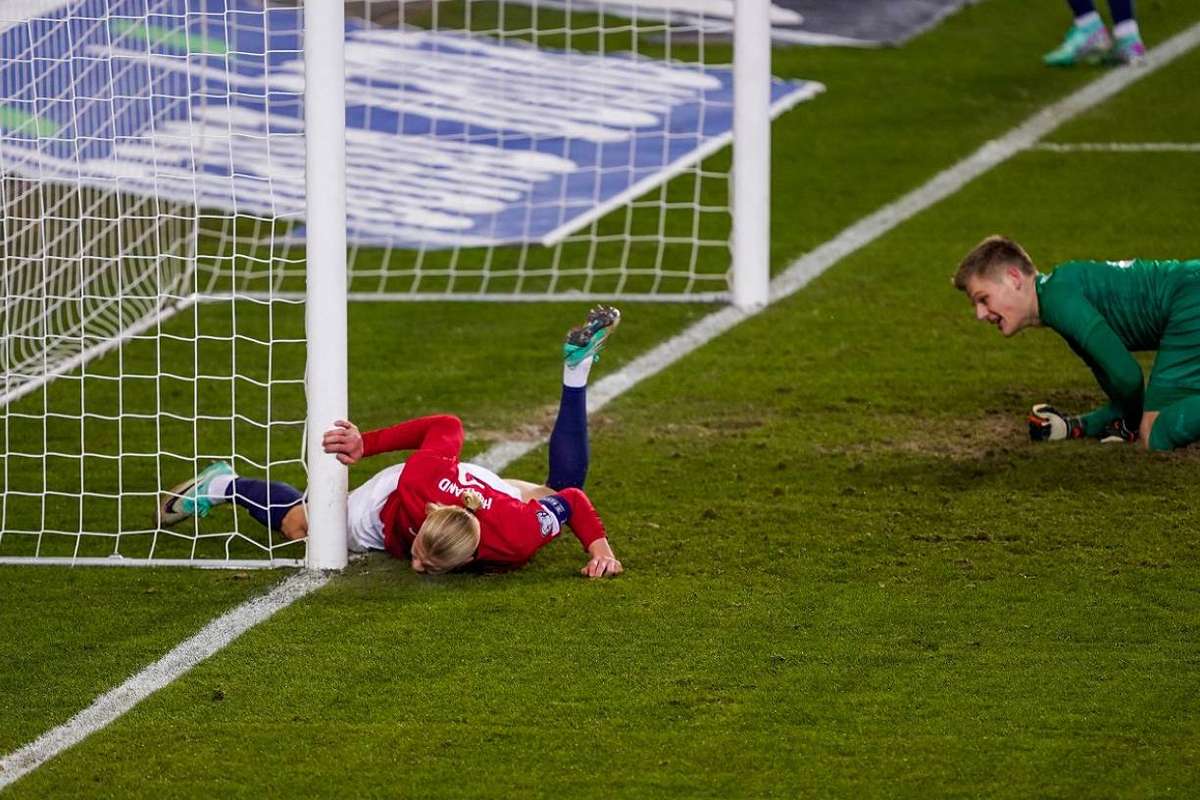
221,631
811,265
1118,147
109,706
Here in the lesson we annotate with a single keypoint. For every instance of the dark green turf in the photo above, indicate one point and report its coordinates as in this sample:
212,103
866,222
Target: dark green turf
71,635
1150,111
849,574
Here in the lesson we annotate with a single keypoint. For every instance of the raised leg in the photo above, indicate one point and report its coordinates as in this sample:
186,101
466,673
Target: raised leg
569,449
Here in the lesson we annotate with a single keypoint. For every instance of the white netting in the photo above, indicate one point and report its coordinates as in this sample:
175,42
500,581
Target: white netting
561,149
152,185
105,220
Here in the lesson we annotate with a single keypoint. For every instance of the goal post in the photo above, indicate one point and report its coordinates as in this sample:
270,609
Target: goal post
195,193
325,303
751,201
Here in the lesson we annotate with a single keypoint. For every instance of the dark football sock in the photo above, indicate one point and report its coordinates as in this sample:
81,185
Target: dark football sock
569,440
267,502
1081,7
1121,10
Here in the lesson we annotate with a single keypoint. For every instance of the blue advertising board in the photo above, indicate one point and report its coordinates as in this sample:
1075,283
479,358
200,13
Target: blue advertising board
452,140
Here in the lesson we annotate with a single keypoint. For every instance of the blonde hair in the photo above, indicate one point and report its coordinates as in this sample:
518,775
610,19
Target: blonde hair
450,534
990,255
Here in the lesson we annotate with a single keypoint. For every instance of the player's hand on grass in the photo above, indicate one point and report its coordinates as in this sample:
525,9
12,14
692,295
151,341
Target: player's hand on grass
344,441
1118,432
603,563
602,567
1047,424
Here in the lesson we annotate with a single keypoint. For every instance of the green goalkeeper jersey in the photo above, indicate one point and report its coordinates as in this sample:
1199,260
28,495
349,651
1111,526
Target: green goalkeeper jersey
1107,310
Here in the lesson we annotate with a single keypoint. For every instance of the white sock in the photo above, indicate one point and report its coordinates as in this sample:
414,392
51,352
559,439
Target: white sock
1088,19
1126,28
218,488
577,376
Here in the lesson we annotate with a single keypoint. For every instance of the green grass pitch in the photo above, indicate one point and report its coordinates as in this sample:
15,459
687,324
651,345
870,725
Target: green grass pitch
849,574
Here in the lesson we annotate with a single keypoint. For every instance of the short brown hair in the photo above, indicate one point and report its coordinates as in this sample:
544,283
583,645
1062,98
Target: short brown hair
990,255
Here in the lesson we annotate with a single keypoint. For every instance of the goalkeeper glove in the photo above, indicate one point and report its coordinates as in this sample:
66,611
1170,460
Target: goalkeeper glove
1118,432
1046,424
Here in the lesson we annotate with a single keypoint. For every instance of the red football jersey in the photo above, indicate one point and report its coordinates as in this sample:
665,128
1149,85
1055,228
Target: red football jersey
511,531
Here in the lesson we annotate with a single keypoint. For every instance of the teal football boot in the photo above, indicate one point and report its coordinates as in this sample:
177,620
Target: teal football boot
587,340
1083,44
1127,50
190,498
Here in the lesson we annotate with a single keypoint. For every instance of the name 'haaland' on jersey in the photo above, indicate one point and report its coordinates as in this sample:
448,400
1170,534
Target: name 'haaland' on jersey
450,487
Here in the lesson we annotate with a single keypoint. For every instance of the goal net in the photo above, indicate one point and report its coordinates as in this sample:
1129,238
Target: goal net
153,241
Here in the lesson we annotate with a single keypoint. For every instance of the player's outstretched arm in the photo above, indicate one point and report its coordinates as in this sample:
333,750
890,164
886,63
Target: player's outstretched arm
586,525
344,441
528,526
437,434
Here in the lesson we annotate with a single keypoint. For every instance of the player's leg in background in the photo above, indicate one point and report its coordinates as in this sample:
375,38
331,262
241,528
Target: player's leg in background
1087,40
1122,11
1081,8
1128,47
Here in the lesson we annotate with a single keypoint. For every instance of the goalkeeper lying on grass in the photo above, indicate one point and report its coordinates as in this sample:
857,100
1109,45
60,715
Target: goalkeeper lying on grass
1106,311
434,509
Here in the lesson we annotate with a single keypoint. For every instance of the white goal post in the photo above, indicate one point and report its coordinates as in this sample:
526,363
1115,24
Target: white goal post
327,371
192,191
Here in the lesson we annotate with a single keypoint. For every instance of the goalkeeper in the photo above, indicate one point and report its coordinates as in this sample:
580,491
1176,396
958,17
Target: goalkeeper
439,512
1106,311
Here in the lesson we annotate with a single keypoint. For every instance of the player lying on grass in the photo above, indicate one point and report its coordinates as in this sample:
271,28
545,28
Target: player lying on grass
1106,311
442,513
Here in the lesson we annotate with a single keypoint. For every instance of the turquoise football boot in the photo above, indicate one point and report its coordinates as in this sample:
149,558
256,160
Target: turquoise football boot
1127,50
190,498
587,340
1084,44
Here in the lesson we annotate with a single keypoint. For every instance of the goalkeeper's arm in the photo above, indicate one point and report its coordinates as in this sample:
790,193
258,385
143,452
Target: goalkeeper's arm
1047,424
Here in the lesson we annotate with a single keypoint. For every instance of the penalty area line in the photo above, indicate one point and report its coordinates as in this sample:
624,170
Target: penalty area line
1118,147
111,705
808,267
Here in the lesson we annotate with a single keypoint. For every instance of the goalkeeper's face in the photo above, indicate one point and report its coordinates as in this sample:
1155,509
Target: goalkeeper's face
1007,300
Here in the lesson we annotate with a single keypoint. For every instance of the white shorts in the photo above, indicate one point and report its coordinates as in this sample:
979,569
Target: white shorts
364,525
